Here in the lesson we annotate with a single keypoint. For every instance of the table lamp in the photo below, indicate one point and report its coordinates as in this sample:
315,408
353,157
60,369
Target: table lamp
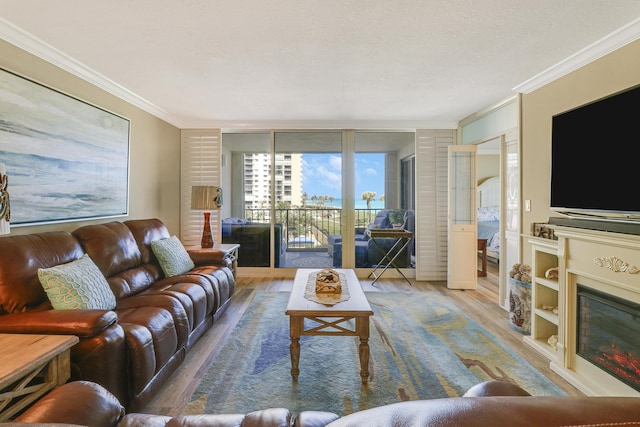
205,197
5,208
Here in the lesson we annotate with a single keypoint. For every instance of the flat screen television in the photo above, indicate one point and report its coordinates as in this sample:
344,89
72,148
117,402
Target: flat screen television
595,161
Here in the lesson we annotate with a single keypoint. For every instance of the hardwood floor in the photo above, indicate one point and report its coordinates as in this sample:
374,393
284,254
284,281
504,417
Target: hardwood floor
480,304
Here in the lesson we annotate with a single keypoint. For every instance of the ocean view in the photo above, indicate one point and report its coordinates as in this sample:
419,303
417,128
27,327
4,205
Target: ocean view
360,204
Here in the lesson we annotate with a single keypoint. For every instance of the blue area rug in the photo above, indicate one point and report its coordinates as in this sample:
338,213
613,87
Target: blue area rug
422,347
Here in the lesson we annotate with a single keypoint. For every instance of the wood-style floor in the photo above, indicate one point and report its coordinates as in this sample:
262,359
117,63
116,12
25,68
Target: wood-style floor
480,304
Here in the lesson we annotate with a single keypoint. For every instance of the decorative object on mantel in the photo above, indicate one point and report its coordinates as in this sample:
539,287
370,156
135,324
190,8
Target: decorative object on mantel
542,229
328,282
5,206
552,273
520,298
615,264
206,197
326,298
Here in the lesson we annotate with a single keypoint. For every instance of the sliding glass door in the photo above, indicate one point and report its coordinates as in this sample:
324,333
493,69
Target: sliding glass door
304,199
379,186
247,185
308,197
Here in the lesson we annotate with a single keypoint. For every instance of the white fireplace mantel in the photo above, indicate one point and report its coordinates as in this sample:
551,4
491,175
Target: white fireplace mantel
604,261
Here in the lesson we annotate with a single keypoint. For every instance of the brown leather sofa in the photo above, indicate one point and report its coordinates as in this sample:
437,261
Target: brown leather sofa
493,403
133,349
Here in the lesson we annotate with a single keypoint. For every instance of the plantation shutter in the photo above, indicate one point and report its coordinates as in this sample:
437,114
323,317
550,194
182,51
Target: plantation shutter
200,165
431,202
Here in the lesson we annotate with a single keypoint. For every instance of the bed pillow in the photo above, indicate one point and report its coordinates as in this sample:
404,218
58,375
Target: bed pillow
489,214
78,284
172,256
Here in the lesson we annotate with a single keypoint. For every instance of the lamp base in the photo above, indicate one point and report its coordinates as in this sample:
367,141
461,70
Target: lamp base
207,238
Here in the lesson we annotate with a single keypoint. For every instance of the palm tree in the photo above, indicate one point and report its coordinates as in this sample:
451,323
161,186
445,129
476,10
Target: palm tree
303,199
331,199
369,196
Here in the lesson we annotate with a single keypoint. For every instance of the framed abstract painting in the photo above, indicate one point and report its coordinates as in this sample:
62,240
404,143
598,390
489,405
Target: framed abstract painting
66,159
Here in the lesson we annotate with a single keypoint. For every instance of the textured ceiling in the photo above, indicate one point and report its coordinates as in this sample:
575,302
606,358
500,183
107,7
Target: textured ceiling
318,62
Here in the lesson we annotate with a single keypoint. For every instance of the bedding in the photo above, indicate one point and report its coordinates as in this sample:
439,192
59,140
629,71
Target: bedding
489,228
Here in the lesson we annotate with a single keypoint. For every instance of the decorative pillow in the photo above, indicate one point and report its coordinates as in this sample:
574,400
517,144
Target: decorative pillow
77,284
172,256
489,214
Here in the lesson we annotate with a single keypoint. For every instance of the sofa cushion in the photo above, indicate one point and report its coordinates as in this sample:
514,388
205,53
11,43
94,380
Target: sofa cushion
78,284
172,256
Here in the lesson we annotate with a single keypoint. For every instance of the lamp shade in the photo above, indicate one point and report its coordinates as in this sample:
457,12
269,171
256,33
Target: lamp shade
205,197
5,207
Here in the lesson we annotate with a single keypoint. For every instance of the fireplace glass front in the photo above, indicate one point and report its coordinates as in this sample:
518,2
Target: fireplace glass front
608,334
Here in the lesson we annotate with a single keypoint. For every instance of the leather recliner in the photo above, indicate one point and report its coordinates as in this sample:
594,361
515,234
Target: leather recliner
133,349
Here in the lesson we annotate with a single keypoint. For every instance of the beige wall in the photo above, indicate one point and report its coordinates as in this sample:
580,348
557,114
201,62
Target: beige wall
154,178
614,72
488,166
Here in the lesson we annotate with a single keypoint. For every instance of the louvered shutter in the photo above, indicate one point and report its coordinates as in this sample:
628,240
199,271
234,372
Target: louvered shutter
431,202
200,165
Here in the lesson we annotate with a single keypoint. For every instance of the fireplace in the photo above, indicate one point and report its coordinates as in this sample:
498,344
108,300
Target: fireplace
608,334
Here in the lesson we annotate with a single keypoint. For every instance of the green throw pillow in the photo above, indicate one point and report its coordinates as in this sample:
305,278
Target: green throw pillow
77,284
172,256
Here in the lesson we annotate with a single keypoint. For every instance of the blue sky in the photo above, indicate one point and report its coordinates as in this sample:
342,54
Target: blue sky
322,174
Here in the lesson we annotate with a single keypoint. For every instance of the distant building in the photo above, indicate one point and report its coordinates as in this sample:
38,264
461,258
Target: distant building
257,180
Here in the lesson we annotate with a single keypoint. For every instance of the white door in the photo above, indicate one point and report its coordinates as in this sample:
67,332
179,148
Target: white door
462,259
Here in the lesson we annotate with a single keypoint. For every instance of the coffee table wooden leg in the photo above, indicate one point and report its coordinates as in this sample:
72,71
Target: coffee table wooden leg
362,328
295,329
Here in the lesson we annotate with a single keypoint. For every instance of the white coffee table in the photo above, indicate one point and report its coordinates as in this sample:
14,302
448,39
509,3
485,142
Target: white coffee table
332,320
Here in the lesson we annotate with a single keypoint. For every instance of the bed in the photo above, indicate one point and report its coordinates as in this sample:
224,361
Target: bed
489,216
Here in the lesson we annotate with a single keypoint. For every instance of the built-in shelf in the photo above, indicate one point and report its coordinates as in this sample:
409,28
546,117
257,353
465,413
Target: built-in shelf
545,297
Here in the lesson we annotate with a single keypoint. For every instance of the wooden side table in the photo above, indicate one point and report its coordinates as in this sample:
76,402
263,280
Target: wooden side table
230,253
30,366
389,257
482,248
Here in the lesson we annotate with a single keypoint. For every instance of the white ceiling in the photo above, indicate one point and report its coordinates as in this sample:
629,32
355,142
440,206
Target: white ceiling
318,63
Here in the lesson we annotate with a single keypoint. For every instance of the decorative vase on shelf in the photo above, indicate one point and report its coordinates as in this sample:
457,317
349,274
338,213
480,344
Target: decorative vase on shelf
520,306
520,298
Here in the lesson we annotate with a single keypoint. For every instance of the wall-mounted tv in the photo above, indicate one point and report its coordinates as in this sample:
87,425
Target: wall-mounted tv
595,161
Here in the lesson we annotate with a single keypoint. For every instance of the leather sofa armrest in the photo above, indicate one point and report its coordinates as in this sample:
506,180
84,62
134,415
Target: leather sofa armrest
495,388
77,402
82,323
207,257
314,419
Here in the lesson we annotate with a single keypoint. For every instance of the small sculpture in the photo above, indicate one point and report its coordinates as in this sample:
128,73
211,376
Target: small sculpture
328,282
521,272
553,341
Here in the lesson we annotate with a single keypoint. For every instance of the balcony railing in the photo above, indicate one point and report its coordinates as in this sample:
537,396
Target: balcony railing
307,229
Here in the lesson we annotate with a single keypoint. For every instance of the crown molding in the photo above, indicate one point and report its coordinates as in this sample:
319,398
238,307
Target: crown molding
600,48
378,125
42,50
39,48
